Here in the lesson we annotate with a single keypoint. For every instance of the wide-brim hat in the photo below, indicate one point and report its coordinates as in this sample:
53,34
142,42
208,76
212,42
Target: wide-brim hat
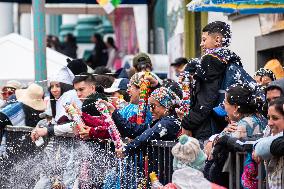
13,84
32,96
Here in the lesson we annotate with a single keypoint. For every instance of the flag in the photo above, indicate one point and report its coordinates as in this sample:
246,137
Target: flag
109,5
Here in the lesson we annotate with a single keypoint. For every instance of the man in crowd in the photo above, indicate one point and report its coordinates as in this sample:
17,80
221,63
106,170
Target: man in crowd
84,84
209,75
274,90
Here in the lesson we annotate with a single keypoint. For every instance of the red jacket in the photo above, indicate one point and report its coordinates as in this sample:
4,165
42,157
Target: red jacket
99,128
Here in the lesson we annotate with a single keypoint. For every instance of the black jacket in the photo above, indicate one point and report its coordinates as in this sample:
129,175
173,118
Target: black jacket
205,96
99,56
238,145
126,128
165,129
69,49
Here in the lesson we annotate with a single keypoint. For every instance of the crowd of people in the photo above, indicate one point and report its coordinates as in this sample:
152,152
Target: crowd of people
143,108
103,54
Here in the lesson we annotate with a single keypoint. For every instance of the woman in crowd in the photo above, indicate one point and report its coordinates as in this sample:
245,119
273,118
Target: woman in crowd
165,126
275,164
244,121
242,113
99,56
69,46
62,92
126,118
23,112
242,109
112,53
8,92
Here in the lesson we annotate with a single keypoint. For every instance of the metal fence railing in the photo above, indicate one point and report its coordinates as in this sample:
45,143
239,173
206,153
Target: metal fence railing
156,156
236,168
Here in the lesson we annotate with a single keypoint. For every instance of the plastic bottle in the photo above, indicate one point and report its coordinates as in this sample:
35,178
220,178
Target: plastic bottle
155,183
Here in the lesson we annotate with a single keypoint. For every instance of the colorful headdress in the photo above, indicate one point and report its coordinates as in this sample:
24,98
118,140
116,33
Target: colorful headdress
135,79
166,97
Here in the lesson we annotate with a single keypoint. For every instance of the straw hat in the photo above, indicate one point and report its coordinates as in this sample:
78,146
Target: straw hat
32,96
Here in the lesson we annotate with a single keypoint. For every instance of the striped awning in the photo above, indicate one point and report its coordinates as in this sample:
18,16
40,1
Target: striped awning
77,1
237,6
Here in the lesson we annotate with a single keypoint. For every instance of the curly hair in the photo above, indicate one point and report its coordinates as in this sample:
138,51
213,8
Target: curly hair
243,96
220,28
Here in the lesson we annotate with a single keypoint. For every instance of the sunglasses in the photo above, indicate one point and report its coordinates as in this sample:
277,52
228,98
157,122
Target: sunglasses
7,93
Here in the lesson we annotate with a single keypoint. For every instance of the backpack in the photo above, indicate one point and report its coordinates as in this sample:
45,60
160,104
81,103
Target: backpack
235,74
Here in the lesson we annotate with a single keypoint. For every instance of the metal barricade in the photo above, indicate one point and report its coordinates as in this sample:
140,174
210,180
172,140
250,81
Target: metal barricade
236,166
19,143
163,159
155,157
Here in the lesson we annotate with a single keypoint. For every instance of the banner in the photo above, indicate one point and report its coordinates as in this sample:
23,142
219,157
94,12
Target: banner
271,23
125,31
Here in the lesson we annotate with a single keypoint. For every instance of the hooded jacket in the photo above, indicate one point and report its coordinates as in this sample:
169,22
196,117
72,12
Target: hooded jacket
209,77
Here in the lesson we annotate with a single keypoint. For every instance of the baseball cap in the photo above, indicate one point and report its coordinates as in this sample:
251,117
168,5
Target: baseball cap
141,60
118,84
179,61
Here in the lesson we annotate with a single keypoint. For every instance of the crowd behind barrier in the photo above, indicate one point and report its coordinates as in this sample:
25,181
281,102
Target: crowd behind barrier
20,146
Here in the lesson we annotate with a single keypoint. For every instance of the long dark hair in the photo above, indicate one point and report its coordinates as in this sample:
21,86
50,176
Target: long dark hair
31,115
244,98
64,88
71,39
110,41
100,43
